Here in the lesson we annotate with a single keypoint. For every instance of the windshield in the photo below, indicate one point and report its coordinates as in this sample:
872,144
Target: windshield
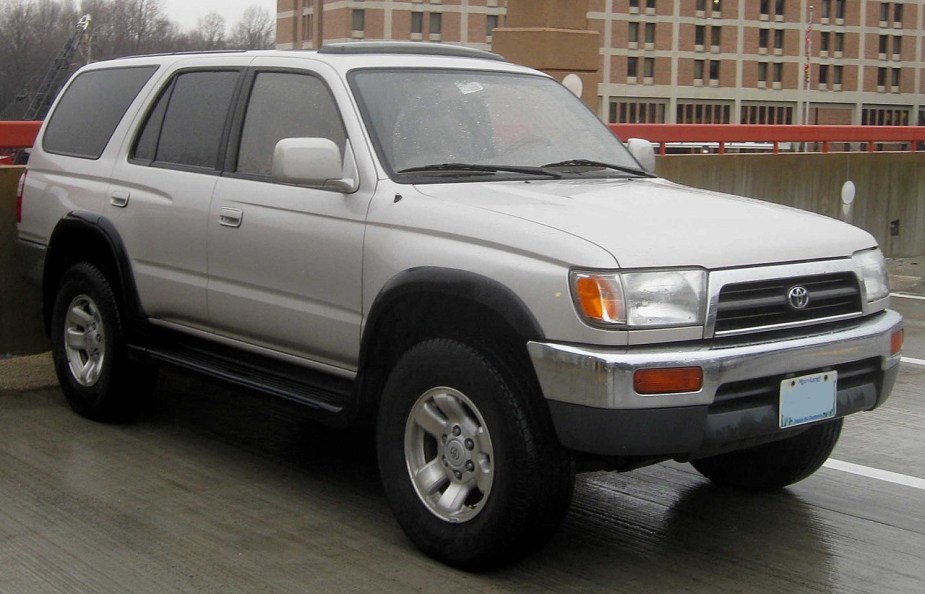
438,123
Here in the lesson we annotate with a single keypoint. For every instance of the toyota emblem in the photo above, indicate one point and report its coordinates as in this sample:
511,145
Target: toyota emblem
798,297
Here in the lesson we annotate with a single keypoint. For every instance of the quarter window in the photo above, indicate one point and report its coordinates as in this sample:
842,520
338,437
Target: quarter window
90,110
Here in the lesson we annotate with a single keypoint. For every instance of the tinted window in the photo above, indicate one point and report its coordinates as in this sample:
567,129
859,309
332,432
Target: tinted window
192,125
285,105
90,110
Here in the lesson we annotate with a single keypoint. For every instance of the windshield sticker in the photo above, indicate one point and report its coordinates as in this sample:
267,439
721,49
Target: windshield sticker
469,87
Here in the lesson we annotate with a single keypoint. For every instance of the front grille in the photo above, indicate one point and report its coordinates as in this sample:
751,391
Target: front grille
766,391
766,304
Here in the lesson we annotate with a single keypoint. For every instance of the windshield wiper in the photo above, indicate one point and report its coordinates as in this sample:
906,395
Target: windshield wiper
598,165
475,168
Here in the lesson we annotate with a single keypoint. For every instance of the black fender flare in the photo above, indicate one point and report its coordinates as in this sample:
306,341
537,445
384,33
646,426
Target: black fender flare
101,228
437,281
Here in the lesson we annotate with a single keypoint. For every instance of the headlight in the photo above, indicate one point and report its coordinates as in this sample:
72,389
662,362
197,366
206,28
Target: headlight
871,269
656,299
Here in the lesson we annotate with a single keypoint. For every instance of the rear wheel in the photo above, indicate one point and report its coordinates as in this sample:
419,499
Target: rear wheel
469,464
88,348
773,465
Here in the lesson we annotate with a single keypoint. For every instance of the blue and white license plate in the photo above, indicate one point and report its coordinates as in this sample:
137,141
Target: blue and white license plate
807,398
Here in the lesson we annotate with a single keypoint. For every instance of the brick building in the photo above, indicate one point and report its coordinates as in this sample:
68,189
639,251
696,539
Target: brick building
689,61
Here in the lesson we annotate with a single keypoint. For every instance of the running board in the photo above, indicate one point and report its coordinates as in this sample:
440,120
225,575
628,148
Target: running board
326,394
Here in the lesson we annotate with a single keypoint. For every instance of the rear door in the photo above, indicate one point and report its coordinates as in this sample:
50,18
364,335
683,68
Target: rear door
160,195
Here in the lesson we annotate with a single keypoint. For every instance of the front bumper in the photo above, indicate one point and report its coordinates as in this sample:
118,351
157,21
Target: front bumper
595,408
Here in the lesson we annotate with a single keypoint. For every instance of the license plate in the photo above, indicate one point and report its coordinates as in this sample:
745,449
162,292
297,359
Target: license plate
807,398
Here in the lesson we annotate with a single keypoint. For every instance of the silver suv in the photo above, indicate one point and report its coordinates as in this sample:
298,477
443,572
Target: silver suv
453,246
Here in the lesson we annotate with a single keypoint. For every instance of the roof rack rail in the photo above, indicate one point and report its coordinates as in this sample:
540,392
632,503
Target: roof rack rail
407,47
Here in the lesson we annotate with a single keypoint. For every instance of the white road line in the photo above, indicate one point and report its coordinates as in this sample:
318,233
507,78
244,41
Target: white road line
908,296
913,361
874,473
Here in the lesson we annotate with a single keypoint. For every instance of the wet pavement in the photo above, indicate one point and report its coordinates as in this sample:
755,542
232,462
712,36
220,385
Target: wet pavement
216,490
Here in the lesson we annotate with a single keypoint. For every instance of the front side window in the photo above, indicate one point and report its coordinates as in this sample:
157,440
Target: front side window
485,120
185,126
91,108
285,105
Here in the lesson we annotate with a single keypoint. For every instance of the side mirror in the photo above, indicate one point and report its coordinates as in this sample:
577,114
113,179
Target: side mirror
643,152
312,162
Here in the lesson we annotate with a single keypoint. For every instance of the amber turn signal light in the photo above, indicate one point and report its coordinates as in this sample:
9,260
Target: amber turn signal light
668,381
896,342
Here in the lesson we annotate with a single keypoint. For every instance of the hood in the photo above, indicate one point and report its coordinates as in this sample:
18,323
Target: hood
655,223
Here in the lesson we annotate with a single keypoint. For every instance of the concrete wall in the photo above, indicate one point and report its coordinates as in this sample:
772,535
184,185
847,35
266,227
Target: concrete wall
890,187
21,330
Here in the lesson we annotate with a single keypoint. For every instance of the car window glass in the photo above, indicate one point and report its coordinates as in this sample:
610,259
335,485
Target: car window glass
91,108
146,147
285,105
194,121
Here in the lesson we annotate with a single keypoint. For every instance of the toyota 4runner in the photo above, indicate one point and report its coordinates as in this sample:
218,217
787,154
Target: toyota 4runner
453,246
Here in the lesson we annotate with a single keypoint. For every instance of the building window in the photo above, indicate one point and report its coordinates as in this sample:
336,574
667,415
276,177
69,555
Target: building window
626,112
714,70
634,4
763,72
778,72
632,34
763,38
883,44
823,74
839,9
491,22
779,7
837,71
703,113
897,46
648,67
650,4
632,66
359,20
884,12
894,80
763,7
826,8
717,6
436,23
779,39
898,13
839,42
306,27
698,70
716,36
417,22
650,32
880,116
766,114
699,35
701,5
824,41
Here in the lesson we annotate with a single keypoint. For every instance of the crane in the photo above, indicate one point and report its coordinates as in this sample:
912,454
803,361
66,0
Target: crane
55,76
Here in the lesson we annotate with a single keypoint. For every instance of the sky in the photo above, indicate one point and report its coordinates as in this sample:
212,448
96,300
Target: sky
188,12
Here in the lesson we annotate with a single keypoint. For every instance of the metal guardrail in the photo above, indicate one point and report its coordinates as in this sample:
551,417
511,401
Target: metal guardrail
909,138
18,135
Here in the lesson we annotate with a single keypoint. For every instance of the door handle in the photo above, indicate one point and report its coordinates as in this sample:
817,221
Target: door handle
230,217
119,198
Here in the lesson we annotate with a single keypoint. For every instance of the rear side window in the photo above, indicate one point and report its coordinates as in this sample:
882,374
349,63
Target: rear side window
90,110
187,123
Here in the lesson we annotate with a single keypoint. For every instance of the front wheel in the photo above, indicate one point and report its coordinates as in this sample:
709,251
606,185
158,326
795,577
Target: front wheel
773,465
470,465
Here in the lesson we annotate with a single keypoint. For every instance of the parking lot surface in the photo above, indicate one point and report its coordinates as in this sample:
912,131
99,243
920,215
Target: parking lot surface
217,490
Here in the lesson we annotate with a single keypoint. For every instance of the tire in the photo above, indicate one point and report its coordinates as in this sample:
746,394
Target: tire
493,483
88,348
773,465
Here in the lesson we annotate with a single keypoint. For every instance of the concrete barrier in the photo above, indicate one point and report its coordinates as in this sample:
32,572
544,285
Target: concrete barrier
890,192
21,328
890,187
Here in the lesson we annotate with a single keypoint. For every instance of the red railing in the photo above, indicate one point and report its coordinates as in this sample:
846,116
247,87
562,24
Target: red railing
724,134
14,136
